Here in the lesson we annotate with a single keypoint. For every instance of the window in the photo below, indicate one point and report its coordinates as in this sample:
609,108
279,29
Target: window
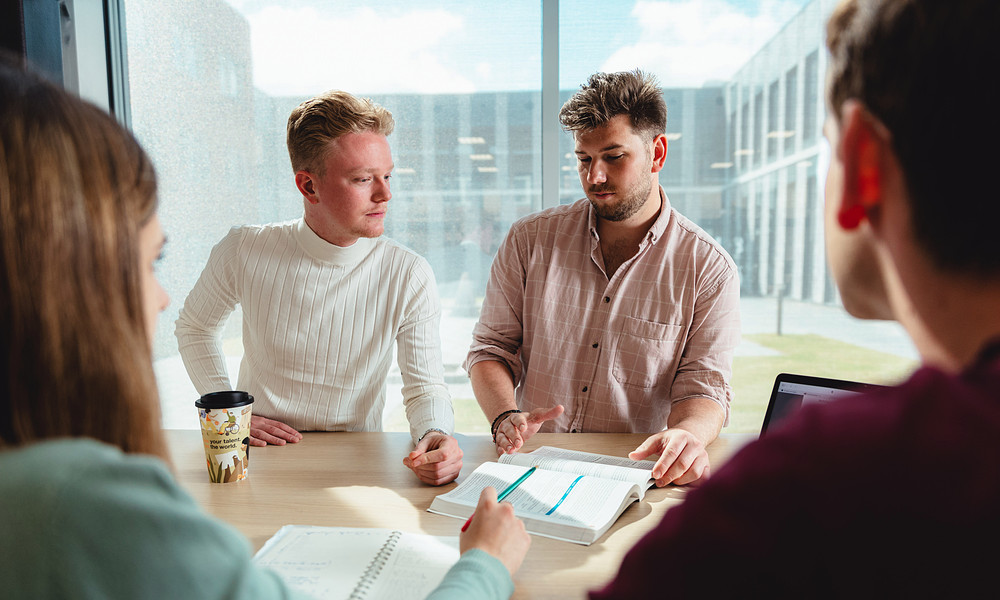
791,108
210,94
774,133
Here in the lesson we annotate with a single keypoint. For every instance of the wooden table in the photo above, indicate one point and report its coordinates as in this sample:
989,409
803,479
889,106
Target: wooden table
358,480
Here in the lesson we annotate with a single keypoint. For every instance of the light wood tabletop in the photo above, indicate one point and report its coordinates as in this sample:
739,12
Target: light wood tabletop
359,480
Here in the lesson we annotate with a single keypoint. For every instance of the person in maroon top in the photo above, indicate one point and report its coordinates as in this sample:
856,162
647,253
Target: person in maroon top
895,493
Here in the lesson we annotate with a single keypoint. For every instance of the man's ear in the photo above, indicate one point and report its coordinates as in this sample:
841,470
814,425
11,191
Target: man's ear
862,148
659,152
306,182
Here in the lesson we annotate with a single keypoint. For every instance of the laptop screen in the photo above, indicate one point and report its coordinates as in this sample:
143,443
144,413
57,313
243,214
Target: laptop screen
791,392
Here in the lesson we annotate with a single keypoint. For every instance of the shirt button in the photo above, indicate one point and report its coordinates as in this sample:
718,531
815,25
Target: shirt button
575,431
595,344
585,388
607,299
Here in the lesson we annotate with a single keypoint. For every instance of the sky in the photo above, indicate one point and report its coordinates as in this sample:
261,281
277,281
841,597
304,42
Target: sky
450,46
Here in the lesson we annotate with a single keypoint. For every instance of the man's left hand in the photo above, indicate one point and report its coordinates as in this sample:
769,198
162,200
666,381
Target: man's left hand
683,458
436,460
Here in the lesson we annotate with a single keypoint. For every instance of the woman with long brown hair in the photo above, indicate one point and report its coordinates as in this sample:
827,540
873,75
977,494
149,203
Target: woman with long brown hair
88,507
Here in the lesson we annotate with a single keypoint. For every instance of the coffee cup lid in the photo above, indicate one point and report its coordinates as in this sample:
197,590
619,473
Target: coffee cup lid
227,399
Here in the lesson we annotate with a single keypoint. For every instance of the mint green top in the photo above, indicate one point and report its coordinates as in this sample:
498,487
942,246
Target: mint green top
81,519
476,576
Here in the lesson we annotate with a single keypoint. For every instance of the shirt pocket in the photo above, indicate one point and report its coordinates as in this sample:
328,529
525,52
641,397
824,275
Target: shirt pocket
646,353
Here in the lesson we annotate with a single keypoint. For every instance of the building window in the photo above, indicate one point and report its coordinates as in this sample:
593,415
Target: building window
464,81
791,109
810,107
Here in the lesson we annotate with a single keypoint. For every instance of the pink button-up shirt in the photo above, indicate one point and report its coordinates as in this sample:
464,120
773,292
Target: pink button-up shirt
616,353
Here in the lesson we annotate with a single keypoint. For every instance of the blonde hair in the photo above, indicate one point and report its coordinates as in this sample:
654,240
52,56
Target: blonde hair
320,120
75,189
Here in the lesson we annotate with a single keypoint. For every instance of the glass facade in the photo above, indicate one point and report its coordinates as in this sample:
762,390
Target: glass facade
744,161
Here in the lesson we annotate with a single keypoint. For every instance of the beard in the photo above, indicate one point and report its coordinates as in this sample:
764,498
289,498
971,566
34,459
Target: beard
628,203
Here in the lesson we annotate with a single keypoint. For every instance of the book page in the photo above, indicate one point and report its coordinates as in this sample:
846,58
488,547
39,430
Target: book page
329,562
587,463
563,505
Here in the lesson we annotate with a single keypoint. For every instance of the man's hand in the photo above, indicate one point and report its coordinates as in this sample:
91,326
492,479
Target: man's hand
264,431
683,458
436,460
495,530
514,430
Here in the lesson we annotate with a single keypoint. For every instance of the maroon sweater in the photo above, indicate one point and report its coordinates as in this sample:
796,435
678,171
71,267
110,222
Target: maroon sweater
891,494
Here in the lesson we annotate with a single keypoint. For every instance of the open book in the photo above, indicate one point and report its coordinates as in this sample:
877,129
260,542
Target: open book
572,496
354,563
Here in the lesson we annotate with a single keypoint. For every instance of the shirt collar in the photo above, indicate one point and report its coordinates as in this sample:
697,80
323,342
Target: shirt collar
324,251
659,226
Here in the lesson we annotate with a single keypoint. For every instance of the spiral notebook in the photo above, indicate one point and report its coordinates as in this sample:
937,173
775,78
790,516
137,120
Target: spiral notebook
358,563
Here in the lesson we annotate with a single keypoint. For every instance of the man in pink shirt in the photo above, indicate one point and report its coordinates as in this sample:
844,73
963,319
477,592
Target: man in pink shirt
614,313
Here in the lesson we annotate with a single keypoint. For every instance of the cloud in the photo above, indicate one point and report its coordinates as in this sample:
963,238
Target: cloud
689,42
302,51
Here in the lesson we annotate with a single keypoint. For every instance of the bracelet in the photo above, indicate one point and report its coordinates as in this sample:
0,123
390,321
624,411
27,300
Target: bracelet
442,431
497,421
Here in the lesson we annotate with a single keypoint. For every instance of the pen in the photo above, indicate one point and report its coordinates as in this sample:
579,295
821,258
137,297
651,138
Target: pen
503,494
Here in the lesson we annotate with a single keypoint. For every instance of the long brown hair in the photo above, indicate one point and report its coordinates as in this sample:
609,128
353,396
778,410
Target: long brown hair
75,189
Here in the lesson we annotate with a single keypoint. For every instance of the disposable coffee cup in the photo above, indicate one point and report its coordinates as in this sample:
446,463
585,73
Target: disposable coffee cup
225,432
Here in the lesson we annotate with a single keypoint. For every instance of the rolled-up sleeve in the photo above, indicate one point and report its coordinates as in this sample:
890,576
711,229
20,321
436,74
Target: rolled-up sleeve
500,331
706,365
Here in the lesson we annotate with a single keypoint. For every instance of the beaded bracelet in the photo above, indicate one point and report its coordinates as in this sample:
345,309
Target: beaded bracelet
442,431
497,421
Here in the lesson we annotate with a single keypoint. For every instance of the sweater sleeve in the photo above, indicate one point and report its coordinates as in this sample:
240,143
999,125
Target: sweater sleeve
118,526
425,395
199,325
476,576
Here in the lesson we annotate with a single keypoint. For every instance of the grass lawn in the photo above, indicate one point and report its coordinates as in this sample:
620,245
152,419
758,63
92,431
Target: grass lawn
753,377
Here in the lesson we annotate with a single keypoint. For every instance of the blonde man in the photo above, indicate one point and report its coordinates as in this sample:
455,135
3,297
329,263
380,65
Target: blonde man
325,298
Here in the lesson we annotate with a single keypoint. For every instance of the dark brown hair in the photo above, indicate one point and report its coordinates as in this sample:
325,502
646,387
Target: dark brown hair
75,189
607,95
925,68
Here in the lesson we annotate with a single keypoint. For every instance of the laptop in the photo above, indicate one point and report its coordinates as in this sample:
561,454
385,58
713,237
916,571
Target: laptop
791,392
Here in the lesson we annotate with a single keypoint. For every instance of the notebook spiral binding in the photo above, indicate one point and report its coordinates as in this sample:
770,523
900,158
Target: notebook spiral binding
374,568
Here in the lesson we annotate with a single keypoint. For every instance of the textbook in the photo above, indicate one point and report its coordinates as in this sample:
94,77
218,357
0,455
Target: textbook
358,563
572,496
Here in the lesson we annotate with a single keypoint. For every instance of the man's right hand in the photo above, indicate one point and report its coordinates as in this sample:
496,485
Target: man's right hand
264,431
514,430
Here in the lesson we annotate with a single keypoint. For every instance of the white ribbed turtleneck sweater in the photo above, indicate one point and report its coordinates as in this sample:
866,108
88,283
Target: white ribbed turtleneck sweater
319,322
